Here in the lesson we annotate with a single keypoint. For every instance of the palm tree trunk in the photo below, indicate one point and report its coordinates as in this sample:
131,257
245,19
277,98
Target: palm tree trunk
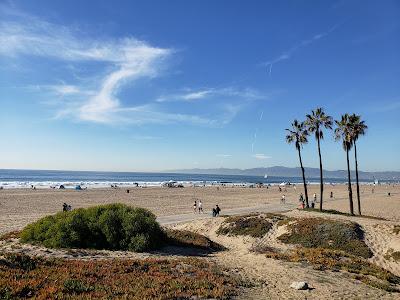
349,182
304,178
320,175
358,186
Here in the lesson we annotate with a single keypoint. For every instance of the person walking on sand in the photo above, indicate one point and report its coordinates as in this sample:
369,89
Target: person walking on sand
301,201
283,199
314,200
195,207
217,210
200,206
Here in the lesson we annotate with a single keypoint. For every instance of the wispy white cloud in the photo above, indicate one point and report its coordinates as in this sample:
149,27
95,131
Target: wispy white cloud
93,96
255,133
196,95
66,89
95,99
189,95
260,156
304,43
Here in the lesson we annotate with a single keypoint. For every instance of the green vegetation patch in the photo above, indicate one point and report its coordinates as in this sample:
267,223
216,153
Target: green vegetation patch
328,234
184,238
113,226
327,259
251,225
336,212
106,279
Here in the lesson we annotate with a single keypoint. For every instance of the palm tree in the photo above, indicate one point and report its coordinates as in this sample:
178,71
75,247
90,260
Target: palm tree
343,132
298,134
358,128
315,123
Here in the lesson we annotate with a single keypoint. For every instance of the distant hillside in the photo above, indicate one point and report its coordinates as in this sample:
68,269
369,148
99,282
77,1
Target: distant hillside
291,172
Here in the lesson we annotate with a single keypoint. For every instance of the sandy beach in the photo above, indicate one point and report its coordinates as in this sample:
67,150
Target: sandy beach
173,206
19,207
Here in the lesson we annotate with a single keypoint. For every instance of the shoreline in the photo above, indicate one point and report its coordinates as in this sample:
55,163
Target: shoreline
70,185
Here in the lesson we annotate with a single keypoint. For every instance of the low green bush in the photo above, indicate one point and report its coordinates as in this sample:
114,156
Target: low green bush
253,225
328,234
113,226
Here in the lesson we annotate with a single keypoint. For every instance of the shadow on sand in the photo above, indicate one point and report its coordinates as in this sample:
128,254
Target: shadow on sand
191,251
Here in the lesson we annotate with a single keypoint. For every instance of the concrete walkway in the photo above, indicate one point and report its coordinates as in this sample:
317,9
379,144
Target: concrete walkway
271,208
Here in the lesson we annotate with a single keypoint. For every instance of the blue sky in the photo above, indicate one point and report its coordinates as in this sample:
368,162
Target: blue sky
158,85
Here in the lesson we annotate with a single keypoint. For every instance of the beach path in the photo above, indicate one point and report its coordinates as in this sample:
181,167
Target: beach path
268,208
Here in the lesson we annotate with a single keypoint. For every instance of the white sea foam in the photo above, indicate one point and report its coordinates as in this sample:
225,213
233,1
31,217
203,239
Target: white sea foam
127,184
95,184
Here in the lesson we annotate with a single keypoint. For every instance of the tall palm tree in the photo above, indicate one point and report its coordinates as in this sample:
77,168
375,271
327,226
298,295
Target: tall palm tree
298,134
316,121
343,132
358,128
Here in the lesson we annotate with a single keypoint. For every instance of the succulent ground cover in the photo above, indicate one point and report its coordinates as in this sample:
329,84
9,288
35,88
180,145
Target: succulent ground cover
22,276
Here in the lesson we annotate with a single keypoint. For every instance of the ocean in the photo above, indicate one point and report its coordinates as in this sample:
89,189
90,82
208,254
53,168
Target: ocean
91,179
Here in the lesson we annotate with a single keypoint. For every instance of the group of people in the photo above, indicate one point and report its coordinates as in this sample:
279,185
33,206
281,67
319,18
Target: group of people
198,208
216,211
67,207
313,202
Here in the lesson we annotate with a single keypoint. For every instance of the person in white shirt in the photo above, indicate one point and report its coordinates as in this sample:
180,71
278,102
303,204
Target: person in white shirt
200,206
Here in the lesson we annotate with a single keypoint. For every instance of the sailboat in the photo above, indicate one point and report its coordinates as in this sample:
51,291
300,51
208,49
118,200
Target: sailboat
265,176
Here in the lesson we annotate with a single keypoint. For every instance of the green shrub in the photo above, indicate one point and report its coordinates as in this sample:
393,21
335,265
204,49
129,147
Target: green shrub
253,225
113,226
328,234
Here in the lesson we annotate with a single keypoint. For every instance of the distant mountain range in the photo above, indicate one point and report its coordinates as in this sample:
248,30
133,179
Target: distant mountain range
279,171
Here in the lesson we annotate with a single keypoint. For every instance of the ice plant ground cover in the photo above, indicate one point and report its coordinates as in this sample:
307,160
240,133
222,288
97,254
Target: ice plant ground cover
22,276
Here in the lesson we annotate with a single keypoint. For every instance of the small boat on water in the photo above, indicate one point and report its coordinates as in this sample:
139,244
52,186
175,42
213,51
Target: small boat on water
265,176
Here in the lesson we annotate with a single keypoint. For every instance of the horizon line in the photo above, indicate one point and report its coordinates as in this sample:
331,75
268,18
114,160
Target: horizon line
188,169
